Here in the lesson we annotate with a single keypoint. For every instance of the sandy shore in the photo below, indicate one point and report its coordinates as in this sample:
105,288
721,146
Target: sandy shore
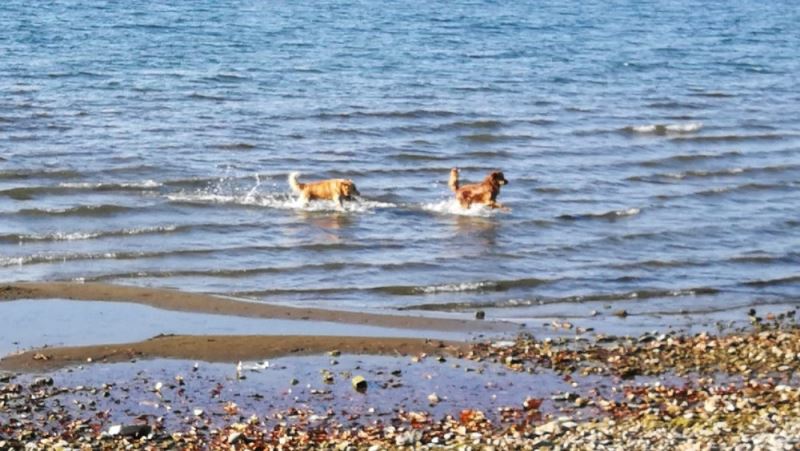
202,303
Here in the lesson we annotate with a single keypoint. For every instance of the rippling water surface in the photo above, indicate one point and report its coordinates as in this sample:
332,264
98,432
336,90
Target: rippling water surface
652,149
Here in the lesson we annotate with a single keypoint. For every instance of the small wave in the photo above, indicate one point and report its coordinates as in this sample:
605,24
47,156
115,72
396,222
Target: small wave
482,286
51,258
685,158
732,138
227,273
234,146
408,156
788,280
81,210
227,77
712,94
595,297
483,124
65,257
144,185
747,187
657,264
199,96
77,236
27,193
675,105
402,290
45,174
728,172
492,138
609,215
664,129
761,258
488,154
452,207
410,114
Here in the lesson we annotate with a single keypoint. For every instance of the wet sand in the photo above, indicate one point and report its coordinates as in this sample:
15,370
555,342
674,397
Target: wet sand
221,348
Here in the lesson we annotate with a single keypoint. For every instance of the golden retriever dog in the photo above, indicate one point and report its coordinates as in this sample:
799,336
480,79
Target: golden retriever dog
337,190
483,193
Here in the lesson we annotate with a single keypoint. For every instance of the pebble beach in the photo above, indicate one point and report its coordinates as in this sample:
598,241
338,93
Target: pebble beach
730,388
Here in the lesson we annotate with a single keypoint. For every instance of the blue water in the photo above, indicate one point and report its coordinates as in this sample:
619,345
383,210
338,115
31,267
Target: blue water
652,149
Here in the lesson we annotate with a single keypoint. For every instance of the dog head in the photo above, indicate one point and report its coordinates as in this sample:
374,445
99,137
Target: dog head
497,178
349,189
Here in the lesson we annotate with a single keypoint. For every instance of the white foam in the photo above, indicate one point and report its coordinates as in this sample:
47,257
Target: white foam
633,211
53,258
650,128
144,184
78,236
64,236
452,207
686,127
279,201
455,287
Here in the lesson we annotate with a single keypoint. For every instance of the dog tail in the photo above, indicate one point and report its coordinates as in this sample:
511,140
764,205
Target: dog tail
294,184
453,182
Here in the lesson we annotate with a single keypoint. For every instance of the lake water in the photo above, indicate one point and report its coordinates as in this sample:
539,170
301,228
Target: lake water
652,149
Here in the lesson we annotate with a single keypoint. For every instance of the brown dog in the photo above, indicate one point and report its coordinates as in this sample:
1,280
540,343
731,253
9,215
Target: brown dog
337,190
484,193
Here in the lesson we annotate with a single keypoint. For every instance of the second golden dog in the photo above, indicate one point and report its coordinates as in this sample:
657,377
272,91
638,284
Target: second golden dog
484,193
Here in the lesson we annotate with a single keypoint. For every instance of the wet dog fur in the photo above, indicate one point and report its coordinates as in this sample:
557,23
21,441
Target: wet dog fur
483,193
337,190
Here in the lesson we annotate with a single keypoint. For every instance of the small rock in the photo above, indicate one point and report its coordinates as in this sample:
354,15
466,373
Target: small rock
234,437
480,314
131,430
359,384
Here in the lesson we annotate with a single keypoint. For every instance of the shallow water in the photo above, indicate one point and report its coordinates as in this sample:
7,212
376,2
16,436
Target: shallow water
59,322
653,151
266,389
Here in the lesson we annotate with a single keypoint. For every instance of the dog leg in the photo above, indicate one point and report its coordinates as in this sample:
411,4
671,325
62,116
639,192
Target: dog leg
339,202
499,206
